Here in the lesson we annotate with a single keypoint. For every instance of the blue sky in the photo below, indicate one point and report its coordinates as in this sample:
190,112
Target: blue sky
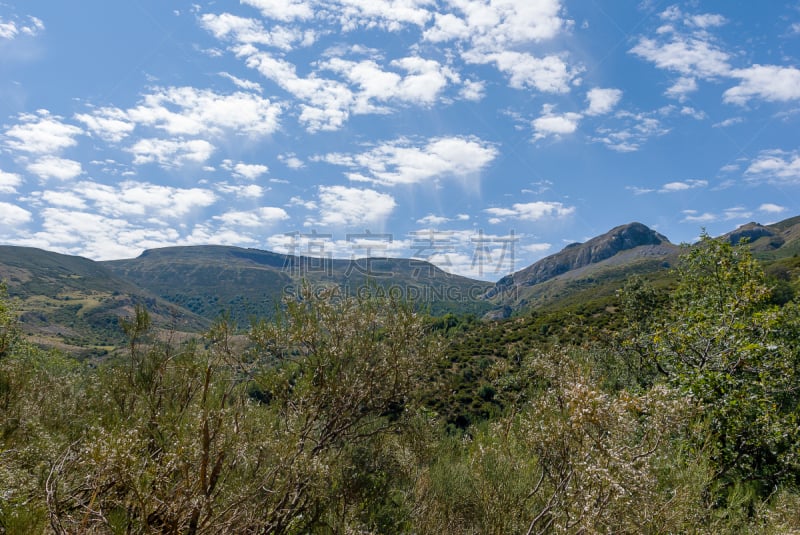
482,135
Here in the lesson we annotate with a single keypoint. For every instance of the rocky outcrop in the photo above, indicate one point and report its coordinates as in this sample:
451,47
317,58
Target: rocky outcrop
578,255
749,232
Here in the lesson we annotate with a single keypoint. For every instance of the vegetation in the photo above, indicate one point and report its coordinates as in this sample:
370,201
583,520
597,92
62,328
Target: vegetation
669,409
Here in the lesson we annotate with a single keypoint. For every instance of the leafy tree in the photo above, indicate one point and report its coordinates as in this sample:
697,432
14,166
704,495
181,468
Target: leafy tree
723,344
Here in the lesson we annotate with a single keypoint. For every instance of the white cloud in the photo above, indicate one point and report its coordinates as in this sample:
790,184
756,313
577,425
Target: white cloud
251,31
11,214
340,206
694,113
776,166
682,87
244,170
434,220
672,187
400,162
131,199
532,211
602,101
54,167
390,15
203,112
553,124
771,208
689,56
536,248
693,216
249,191
549,74
327,103
260,217
170,153
422,85
283,10
110,124
65,199
41,133
768,82
706,20
291,161
634,130
728,122
473,90
499,24
11,29
9,182
247,85
447,27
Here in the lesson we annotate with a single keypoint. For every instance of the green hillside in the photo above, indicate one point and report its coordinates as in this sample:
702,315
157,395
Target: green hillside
249,283
75,303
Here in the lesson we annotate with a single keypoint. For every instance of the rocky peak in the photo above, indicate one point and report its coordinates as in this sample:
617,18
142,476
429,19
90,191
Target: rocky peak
578,255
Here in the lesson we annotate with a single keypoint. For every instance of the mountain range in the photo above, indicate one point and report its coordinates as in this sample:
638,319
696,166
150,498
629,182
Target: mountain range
75,303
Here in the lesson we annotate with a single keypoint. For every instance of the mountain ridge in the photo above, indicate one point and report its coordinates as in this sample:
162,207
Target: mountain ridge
75,301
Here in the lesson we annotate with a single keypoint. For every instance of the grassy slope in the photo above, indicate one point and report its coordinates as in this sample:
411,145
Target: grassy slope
75,304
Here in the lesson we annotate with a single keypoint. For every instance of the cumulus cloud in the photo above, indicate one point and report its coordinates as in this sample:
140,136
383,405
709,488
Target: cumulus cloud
12,215
283,10
602,101
672,187
341,206
192,111
685,46
248,191
132,198
291,161
110,124
768,82
9,182
693,216
499,24
549,74
247,85
260,217
13,28
245,170
532,212
390,15
554,124
247,31
401,162
170,153
55,167
41,133
433,220
689,56
682,87
631,132
771,208
424,81
775,166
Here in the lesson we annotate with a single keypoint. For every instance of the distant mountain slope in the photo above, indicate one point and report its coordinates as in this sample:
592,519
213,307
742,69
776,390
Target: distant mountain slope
594,270
576,260
72,302
75,303
250,283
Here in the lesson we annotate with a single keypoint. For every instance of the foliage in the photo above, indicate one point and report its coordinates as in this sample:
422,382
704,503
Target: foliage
359,414
722,343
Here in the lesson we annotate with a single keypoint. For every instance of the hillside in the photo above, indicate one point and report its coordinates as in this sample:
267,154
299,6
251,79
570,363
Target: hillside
249,283
591,272
75,303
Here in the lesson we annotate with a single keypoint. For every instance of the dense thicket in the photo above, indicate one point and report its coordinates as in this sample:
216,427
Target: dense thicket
337,417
